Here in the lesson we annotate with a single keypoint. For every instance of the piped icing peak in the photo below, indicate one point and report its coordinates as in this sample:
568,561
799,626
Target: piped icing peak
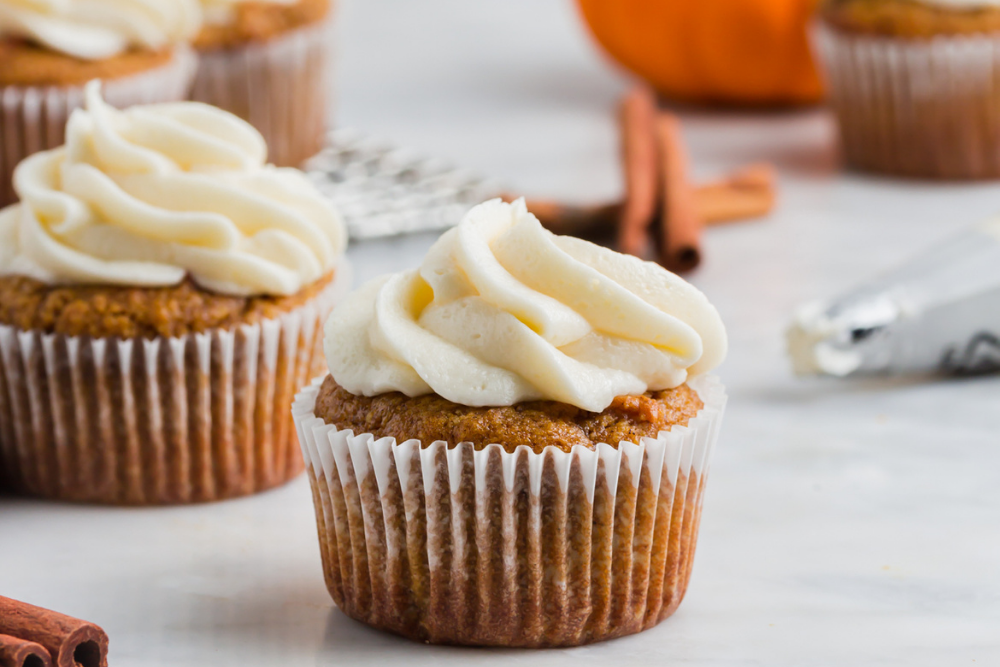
98,29
147,196
503,311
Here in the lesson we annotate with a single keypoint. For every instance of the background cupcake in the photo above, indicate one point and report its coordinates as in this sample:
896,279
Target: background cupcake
268,61
161,294
49,50
914,85
512,445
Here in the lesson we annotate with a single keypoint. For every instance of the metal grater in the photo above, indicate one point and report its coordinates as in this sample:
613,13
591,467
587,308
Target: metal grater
382,190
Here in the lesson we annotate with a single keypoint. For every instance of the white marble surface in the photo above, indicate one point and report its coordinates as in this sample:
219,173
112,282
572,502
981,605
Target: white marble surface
846,523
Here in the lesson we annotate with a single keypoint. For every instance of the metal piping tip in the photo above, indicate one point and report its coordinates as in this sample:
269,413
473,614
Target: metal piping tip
843,337
939,313
810,344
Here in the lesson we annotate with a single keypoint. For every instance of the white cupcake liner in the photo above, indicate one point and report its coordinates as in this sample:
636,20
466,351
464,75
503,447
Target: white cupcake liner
33,118
915,107
281,87
157,421
492,548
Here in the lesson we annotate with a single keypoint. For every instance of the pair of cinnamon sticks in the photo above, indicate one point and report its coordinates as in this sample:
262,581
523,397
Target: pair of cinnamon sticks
34,637
658,188
662,209
647,170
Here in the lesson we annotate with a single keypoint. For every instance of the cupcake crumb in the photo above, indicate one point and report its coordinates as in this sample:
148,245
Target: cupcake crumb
103,311
536,424
259,22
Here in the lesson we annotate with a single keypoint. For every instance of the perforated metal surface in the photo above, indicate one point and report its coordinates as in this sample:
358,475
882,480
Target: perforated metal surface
382,190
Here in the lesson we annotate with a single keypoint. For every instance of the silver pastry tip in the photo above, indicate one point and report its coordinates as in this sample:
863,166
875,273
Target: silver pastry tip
844,337
812,344
938,313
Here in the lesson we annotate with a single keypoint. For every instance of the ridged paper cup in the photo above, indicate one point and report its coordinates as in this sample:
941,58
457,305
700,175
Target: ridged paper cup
281,87
33,118
925,108
490,548
155,421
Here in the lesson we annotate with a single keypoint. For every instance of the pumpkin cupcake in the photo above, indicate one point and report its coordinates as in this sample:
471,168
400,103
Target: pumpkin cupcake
161,295
269,62
49,50
913,84
512,443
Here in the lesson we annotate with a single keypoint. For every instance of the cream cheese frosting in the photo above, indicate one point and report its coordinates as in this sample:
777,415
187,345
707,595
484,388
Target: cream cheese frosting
503,311
147,196
98,29
221,12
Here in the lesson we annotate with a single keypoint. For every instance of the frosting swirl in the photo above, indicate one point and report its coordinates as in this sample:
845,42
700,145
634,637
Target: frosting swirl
503,311
221,12
98,29
149,195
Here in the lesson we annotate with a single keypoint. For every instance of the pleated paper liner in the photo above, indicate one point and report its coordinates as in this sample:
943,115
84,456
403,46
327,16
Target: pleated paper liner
491,548
281,87
195,418
33,118
925,108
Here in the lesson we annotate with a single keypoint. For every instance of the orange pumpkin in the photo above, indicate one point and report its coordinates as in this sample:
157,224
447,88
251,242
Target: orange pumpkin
712,51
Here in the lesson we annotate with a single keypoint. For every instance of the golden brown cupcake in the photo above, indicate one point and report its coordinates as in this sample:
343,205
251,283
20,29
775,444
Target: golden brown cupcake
913,19
912,83
268,61
50,50
511,446
161,294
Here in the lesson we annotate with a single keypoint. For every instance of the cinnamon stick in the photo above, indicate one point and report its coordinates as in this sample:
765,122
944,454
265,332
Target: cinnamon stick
717,204
748,193
571,220
16,652
69,641
637,123
680,225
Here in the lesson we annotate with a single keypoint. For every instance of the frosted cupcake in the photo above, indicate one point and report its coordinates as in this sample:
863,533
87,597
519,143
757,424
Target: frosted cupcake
161,296
512,444
50,49
268,61
914,86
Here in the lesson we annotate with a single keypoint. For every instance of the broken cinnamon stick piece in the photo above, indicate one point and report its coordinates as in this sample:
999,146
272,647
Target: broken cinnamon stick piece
759,175
680,226
579,221
637,124
748,193
721,205
588,221
718,203
69,641
16,652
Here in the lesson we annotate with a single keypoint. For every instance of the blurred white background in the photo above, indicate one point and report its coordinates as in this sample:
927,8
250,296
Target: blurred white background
846,522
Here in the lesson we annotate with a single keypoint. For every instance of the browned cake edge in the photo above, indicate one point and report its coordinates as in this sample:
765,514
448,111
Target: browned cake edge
909,18
536,424
260,22
25,64
103,311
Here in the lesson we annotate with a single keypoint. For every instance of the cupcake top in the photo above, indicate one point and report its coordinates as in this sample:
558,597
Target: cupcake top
953,4
233,23
963,4
502,311
152,195
220,12
914,18
98,29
